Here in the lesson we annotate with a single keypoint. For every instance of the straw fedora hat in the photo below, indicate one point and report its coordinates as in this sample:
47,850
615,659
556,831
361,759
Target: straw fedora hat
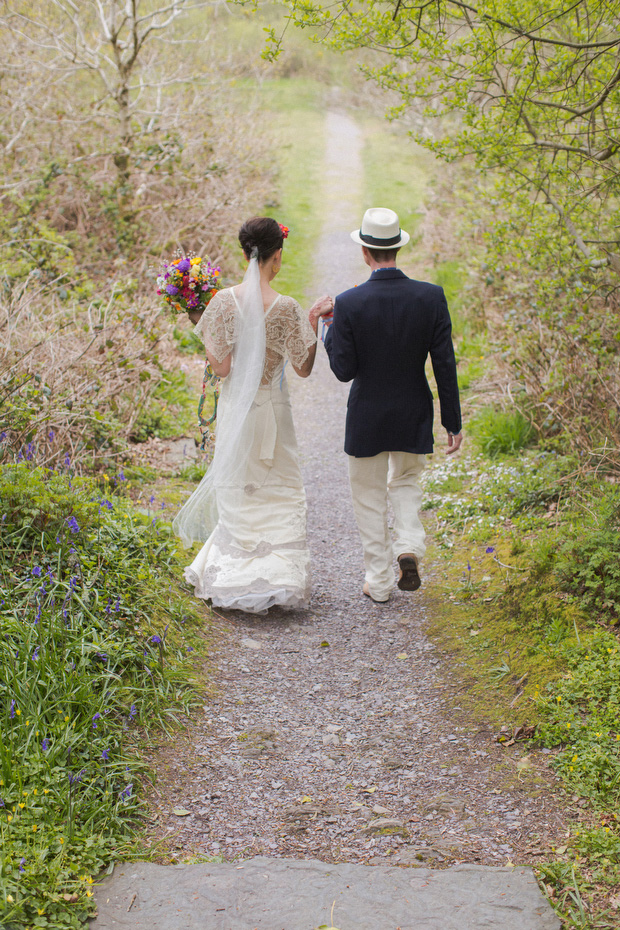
380,229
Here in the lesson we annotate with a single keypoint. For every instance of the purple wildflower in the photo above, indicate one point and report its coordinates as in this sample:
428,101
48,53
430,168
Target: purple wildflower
490,549
73,525
45,745
126,792
156,640
105,755
35,654
2,436
21,864
67,459
96,717
37,571
50,435
12,711
132,711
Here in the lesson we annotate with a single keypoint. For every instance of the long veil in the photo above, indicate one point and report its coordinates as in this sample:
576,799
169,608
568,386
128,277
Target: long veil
233,435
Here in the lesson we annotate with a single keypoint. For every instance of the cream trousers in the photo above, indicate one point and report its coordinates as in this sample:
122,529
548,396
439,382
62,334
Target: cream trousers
393,476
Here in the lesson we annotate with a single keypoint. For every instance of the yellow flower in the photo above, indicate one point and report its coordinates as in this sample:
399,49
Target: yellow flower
61,840
195,260
9,818
18,711
574,759
46,791
67,719
559,698
22,804
40,911
9,899
568,726
25,793
34,828
35,791
570,767
89,894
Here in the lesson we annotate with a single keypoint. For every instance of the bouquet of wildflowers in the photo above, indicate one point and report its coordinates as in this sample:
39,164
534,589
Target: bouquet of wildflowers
187,283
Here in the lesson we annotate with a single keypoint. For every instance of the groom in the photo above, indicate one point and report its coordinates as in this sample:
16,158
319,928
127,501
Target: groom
381,335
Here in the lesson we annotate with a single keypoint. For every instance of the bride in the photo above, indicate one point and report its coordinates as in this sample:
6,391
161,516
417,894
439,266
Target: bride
251,505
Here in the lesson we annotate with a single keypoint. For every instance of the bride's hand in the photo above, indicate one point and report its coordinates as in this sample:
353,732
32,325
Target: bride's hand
322,307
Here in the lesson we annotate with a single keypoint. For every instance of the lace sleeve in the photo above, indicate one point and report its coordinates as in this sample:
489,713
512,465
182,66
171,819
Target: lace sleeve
300,336
216,327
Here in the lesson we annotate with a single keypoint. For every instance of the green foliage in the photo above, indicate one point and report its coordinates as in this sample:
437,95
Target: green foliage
588,564
94,645
501,432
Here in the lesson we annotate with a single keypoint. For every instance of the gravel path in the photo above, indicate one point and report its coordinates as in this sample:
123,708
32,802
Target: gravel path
332,733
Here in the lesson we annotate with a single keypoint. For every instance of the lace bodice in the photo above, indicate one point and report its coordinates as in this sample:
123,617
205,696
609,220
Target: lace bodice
288,333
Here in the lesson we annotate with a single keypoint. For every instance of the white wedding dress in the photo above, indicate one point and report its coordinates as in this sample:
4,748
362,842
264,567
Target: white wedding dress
257,555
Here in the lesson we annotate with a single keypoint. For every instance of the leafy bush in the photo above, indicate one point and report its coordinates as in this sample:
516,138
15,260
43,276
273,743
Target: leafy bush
93,645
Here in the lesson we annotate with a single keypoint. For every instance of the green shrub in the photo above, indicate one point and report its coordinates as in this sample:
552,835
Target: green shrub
501,432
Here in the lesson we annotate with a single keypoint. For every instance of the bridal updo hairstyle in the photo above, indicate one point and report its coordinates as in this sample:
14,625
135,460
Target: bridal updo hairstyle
263,234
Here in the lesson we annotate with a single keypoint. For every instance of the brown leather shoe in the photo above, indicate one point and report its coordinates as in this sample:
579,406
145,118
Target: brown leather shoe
409,579
366,591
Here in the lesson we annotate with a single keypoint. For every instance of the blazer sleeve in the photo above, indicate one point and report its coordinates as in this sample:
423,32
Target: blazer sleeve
340,345
444,368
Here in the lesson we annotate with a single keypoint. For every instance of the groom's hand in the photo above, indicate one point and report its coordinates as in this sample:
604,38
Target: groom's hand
454,442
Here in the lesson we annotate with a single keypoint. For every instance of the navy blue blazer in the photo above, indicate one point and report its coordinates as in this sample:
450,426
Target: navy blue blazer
382,334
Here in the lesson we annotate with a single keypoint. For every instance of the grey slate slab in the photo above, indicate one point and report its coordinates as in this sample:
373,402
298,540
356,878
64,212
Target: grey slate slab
289,894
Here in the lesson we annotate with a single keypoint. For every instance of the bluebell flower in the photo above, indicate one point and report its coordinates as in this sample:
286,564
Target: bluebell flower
2,436
132,711
50,435
21,864
105,755
156,640
490,549
67,459
45,745
37,571
35,654
96,717
126,792
73,525
12,711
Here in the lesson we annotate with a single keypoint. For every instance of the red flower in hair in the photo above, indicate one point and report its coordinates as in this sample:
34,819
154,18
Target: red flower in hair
284,230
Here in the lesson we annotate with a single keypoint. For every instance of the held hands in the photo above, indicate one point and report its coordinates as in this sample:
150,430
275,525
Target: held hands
454,442
323,307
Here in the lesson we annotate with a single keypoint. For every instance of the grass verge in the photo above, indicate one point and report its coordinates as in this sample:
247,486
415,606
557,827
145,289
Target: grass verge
95,650
529,552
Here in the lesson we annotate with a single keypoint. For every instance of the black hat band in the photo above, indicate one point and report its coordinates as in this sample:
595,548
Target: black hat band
372,240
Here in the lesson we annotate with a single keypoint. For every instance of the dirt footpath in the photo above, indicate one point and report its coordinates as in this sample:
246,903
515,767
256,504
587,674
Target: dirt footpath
333,733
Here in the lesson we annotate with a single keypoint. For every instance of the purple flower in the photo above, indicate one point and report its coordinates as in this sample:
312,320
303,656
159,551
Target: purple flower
37,571
12,711
171,289
73,525
76,779
35,654
490,549
184,264
50,435
132,711
21,864
96,717
67,459
105,755
45,745
126,792
2,436
121,475
156,640
468,567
